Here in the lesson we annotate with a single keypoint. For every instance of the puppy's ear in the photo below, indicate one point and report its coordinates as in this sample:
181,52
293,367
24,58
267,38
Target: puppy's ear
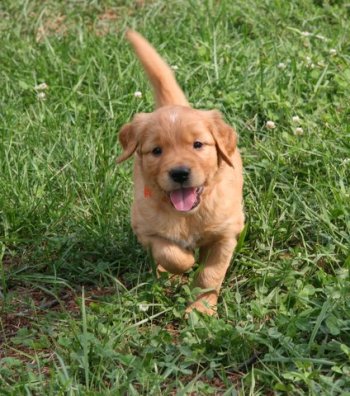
131,134
224,135
127,138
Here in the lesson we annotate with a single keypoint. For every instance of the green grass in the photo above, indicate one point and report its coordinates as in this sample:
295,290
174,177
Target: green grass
81,312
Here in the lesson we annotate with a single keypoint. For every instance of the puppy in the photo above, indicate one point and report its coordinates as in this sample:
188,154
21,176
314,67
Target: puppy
187,181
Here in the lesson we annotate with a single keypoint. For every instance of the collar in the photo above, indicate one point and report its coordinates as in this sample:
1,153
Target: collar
147,192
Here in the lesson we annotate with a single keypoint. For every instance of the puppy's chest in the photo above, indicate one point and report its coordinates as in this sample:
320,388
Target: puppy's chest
191,242
188,235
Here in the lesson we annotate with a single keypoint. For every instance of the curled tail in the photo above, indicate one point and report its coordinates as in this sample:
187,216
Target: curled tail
166,89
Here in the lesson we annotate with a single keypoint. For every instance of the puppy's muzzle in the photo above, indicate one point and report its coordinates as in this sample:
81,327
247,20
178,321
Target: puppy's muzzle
180,174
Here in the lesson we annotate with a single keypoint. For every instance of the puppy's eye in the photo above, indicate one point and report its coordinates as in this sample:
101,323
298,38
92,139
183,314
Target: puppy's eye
157,151
197,144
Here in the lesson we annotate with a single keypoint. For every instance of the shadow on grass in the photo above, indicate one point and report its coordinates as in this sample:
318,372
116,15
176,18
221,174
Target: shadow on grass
76,259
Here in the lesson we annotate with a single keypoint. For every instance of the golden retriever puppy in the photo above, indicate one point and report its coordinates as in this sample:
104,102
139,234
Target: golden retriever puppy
187,181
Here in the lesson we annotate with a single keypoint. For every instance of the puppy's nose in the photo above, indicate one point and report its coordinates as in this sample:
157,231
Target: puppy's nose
180,174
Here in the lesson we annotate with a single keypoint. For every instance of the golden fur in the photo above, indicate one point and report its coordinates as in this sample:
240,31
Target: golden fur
163,141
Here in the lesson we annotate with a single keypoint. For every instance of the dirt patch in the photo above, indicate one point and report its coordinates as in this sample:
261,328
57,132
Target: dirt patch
25,306
101,24
216,382
52,26
106,23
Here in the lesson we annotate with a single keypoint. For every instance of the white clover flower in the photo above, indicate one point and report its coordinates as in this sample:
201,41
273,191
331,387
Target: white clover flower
41,87
270,125
175,67
281,65
41,95
346,161
143,307
296,119
298,131
333,52
319,36
309,63
138,94
306,34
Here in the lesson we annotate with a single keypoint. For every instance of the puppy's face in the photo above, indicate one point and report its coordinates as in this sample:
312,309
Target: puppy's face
180,150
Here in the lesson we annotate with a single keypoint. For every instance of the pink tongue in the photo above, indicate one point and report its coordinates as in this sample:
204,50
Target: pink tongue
184,198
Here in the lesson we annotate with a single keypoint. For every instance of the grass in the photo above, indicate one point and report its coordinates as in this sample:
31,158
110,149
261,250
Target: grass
81,312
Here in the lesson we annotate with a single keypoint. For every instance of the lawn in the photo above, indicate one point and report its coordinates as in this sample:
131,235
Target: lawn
82,312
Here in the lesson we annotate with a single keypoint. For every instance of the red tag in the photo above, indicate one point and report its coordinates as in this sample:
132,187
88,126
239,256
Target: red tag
147,193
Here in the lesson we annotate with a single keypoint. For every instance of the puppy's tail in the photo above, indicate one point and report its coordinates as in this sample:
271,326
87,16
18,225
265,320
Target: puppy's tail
166,89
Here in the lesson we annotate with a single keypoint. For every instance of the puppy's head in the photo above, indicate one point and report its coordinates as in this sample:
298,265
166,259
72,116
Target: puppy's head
180,150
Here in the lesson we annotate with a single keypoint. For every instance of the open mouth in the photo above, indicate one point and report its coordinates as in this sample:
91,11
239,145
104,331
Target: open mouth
186,199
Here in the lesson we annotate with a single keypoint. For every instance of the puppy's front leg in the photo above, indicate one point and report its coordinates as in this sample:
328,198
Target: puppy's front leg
171,256
216,260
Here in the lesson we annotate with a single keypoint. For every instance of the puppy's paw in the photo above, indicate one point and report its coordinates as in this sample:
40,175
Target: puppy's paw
160,270
203,306
162,273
